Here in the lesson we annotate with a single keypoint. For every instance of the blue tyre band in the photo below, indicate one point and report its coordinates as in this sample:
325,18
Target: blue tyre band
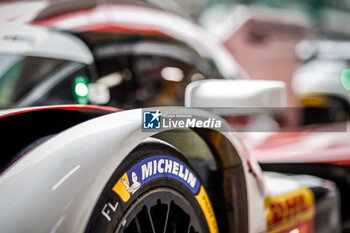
157,166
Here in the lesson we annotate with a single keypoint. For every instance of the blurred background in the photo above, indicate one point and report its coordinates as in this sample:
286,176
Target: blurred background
144,53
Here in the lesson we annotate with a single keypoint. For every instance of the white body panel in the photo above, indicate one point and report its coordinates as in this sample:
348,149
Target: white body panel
54,188
321,76
142,18
21,11
235,96
38,41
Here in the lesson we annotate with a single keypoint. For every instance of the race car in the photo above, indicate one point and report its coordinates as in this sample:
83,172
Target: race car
130,61
320,144
84,168
324,98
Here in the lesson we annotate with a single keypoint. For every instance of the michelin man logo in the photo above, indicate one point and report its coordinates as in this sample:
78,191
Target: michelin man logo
135,186
152,119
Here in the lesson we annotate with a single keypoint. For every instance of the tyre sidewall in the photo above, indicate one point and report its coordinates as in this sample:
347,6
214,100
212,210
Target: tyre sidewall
111,208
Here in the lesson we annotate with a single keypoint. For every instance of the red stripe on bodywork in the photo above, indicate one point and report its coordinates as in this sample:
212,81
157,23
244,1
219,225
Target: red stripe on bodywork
340,162
64,107
122,29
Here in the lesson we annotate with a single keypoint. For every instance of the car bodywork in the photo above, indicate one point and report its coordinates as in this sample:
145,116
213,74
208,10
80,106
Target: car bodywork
120,43
320,145
319,150
56,67
61,177
65,171
136,17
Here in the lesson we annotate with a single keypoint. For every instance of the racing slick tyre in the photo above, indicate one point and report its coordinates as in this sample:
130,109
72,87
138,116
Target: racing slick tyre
156,190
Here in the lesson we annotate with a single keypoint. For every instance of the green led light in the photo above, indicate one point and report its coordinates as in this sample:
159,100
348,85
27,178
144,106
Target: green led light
345,79
81,89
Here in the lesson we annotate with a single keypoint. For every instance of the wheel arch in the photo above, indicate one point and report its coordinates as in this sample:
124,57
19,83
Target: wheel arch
80,160
231,207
